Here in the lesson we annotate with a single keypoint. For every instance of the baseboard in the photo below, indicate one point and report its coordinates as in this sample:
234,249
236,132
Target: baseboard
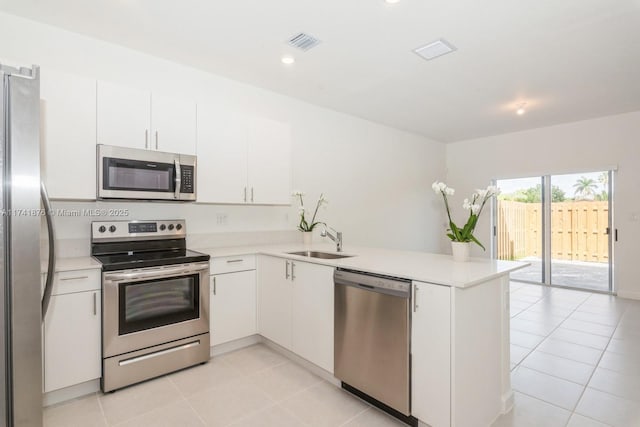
227,347
70,393
629,294
314,369
507,401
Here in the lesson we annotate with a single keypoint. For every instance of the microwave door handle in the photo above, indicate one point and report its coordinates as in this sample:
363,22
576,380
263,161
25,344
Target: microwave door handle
178,179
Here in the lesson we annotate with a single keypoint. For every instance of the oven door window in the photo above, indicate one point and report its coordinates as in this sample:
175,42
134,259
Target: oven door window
160,302
136,175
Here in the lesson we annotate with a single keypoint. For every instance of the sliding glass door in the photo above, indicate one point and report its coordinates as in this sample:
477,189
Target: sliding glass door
560,225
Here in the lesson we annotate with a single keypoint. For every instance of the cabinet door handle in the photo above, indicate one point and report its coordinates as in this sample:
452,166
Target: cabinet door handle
415,298
74,278
234,260
251,194
156,140
95,303
146,139
286,270
245,194
214,285
293,274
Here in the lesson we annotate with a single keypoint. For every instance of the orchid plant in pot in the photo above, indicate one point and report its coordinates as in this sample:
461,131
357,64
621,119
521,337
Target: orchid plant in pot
307,226
461,237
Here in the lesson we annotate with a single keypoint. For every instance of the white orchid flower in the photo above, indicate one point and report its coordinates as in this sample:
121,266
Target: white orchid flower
475,209
297,193
466,205
449,191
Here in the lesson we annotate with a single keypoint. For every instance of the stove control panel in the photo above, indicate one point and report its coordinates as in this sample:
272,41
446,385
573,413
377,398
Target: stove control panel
138,230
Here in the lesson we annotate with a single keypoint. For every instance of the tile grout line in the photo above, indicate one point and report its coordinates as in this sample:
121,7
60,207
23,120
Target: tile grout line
597,365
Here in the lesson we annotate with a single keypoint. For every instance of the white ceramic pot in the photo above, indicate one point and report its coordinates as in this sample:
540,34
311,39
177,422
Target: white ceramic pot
460,251
307,238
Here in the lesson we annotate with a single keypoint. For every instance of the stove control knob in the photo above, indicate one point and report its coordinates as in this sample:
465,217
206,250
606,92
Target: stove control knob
170,226
112,228
162,227
102,229
178,226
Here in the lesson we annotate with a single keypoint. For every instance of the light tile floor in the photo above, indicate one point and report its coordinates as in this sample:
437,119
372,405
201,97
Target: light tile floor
254,386
575,359
575,363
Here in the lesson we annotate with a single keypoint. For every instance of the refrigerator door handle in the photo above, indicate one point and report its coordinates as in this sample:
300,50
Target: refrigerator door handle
51,266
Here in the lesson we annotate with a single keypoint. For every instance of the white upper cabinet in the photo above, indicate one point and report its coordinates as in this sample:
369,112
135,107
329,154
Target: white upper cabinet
269,162
173,123
68,135
124,116
242,159
222,156
135,118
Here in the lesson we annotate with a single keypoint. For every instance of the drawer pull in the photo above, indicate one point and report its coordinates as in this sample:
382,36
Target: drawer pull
74,278
229,261
158,353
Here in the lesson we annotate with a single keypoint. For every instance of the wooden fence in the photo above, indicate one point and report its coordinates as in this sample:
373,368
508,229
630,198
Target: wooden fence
578,230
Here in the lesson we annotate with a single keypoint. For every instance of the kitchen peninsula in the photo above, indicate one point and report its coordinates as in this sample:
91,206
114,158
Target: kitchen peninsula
459,320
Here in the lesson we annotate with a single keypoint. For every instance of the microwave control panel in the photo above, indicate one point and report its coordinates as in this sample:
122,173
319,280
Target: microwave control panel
186,176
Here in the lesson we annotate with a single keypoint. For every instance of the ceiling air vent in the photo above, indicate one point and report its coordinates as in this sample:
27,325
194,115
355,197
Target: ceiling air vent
435,49
303,41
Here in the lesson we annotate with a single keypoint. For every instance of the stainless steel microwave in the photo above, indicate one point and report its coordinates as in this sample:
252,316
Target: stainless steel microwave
130,173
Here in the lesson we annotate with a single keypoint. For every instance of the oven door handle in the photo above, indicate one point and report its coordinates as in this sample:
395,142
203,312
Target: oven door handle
165,272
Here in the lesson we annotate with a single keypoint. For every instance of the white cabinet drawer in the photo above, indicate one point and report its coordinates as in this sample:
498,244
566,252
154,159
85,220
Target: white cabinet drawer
230,264
68,282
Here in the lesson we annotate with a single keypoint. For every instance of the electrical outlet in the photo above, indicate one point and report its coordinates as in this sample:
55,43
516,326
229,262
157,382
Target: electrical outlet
221,219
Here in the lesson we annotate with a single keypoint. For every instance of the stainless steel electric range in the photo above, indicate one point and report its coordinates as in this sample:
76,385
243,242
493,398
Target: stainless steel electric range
155,300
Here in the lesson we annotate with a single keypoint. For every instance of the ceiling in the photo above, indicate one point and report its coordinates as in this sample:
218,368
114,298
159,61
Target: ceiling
568,60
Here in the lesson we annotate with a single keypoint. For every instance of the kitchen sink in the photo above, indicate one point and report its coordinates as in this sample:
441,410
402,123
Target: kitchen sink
322,255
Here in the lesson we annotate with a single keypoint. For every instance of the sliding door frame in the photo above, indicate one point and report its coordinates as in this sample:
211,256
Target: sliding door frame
546,231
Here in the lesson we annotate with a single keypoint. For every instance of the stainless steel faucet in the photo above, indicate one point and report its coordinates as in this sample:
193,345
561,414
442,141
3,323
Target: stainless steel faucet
336,238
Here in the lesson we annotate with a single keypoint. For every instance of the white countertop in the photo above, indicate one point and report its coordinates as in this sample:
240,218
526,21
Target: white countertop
421,266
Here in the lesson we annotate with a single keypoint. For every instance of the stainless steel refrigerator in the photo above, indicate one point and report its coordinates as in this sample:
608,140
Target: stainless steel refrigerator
20,289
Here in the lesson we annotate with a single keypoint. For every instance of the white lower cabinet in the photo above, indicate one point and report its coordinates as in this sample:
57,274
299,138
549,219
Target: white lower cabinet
460,362
312,313
233,306
72,330
295,307
274,299
431,354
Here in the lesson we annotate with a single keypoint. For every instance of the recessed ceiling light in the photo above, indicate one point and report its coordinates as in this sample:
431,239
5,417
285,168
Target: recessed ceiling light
391,1
435,49
520,111
288,59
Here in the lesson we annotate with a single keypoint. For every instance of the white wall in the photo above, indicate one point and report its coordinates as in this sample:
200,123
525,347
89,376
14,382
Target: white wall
376,178
590,145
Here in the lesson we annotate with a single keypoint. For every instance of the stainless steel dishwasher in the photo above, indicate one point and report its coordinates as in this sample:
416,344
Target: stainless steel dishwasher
372,338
